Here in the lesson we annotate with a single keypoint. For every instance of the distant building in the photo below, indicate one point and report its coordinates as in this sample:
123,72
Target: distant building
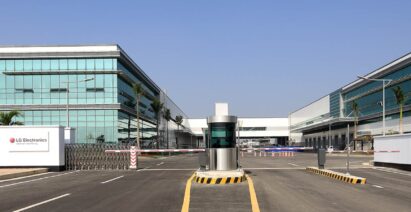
252,131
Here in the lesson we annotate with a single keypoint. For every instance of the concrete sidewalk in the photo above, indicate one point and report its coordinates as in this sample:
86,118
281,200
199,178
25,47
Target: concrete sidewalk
7,173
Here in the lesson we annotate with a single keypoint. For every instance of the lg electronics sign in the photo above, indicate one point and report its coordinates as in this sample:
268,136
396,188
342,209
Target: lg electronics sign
29,144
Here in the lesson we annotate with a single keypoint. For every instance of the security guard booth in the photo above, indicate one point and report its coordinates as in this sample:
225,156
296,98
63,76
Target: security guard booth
221,143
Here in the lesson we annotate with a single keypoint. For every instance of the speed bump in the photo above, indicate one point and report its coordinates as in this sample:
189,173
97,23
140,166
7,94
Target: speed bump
337,175
219,180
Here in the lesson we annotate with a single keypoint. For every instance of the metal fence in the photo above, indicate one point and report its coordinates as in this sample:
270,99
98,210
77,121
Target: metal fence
94,157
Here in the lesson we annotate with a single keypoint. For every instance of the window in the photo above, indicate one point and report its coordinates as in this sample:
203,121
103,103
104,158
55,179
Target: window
63,64
28,65
19,65
9,65
45,64
54,64
99,64
37,65
81,64
108,64
90,64
72,64
2,65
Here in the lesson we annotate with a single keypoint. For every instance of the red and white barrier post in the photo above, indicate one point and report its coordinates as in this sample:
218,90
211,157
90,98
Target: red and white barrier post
133,158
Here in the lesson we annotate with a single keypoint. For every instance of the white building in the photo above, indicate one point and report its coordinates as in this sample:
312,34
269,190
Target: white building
252,131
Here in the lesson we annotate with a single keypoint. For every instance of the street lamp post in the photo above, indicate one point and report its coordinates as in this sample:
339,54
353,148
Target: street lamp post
385,82
67,96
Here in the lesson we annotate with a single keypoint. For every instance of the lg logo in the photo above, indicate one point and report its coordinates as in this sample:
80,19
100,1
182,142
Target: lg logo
12,140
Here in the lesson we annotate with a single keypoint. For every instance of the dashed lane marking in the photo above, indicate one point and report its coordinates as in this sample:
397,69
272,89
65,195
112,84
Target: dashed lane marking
299,168
186,201
112,179
167,170
160,163
377,186
293,164
41,203
37,179
279,168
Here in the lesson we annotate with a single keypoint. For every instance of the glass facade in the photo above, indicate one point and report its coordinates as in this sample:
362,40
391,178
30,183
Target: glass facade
369,96
335,104
101,110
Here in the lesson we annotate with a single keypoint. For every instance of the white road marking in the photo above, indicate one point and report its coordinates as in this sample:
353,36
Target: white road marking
144,168
37,179
19,178
279,168
386,170
40,203
112,179
167,169
293,164
377,186
160,164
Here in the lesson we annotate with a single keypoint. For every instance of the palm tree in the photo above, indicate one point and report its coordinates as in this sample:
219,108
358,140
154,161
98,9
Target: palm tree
157,106
400,99
139,92
130,104
6,118
356,111
179,122
167,117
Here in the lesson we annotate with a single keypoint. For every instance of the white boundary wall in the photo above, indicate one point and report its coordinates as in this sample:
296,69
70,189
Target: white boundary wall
31,146
393,149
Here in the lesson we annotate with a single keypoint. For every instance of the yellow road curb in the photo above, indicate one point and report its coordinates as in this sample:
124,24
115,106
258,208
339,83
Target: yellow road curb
337,175
220,180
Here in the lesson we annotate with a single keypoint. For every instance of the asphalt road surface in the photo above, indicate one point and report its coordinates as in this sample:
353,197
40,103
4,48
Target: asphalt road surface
281,184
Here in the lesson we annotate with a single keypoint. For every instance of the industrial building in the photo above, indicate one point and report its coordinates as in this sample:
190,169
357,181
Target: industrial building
357,112
88,88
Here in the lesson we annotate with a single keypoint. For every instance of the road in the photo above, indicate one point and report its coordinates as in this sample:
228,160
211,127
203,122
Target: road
281,184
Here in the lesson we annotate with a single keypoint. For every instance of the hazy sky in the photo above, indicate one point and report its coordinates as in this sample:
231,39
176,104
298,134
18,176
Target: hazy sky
265,58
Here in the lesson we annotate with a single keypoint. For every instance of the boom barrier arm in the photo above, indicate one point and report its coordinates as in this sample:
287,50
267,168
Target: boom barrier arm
133,150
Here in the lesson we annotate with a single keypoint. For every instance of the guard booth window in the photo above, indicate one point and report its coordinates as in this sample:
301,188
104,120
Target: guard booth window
222,135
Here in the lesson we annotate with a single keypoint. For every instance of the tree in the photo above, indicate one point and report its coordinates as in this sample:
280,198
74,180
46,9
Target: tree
139,92
400,99
356,111
6,118
157,106
179,122
130,104
167,117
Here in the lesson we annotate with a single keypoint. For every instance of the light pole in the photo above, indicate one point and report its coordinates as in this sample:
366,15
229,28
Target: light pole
385,82
67,96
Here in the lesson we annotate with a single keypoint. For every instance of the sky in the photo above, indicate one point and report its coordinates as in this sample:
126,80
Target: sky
264,58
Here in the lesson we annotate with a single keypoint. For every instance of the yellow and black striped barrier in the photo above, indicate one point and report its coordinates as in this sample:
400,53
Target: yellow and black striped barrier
337,175
219,180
